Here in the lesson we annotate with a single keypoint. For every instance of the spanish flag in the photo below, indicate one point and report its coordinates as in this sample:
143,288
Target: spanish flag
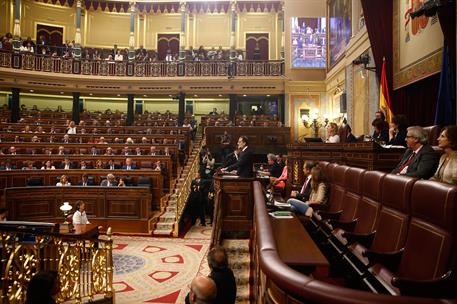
384,98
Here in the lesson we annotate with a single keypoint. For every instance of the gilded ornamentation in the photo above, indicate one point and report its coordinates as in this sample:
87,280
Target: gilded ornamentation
296,169
84,269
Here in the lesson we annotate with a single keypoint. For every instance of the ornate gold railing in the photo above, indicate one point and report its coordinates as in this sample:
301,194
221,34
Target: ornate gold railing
34,62
184,192
84,265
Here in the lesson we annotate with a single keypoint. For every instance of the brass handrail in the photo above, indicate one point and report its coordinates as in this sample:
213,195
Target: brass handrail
184,192
84,265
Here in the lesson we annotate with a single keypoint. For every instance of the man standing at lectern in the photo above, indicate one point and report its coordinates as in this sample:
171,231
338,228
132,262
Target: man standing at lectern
245,161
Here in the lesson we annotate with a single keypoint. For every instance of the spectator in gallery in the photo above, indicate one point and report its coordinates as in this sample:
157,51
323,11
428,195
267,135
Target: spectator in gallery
93,151
61,150
110,181
332,133
126,151
213,112
447,167
80,216
119,56
63,182
43,288
144,140
48,166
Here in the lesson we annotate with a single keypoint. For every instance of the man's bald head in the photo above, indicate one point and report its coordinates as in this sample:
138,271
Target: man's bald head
202,290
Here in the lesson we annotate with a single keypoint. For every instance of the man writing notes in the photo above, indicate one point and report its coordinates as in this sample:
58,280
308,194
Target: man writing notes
244,164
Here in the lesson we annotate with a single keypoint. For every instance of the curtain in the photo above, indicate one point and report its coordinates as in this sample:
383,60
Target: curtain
447,22
418,100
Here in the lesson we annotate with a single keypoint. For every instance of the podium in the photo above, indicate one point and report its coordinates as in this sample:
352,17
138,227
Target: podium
233,208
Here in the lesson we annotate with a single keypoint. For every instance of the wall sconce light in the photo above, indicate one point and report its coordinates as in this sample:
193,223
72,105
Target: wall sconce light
315,122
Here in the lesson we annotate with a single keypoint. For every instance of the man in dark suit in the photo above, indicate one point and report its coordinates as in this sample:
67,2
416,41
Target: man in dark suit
305,191
110,181
419,160
85,181
231,158
222,275
128,164
245,161
111,165
275,169
66,164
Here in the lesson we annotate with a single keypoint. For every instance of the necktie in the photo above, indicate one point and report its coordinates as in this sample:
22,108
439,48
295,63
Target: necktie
407,162
128,167
305,184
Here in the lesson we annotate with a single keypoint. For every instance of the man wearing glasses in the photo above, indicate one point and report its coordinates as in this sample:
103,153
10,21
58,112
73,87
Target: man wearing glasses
419,160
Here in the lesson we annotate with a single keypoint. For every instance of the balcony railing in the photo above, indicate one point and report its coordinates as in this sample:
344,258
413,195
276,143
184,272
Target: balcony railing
84,264
33,62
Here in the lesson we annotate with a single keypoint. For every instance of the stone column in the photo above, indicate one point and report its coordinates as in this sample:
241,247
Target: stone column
17,25
233,31
181,107
14,107
182,35
75,108
132,32
130,106
281,22
77,46
355,5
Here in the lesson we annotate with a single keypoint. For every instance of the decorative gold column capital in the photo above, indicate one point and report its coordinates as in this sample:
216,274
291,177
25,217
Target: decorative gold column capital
183,6
233,5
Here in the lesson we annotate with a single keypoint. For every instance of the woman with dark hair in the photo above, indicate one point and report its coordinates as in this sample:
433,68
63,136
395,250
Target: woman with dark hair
447,168
381,133
397,131
80,216
318,194
42,288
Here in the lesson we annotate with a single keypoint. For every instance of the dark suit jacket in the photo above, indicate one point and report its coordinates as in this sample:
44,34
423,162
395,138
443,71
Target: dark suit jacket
275,170
104,183
382,136
132,167
351,138
305,196
423,165
115,166
244,164
399,139
90,182
226,285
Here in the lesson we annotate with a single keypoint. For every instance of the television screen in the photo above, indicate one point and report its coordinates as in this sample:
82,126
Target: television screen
308,43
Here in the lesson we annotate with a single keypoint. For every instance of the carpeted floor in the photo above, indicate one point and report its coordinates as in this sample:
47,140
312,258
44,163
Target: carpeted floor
158,270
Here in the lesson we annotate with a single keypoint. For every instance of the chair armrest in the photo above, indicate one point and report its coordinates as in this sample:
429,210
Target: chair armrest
391,260
347,226
330,215
364,239
442,286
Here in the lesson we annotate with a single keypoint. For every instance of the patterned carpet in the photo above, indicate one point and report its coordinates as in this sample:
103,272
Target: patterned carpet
158,270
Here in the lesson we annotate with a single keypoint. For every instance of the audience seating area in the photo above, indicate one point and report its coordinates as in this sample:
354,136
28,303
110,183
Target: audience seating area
391,238
395,233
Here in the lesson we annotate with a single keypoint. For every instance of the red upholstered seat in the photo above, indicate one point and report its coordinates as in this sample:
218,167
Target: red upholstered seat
428,250
433,134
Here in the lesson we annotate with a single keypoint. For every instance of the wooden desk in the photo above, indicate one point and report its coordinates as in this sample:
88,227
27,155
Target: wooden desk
366,155
295,246
125,209
84,231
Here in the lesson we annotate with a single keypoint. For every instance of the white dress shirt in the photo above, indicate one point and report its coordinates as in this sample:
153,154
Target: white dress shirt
80,218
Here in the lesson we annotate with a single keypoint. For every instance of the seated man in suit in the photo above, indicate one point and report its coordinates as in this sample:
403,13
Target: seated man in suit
419,160
110,181
275,169
128,164
245,161
152,151
111,165
66,164
305,191
85,181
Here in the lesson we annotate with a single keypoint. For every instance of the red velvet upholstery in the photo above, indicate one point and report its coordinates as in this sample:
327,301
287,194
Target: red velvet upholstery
433,134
